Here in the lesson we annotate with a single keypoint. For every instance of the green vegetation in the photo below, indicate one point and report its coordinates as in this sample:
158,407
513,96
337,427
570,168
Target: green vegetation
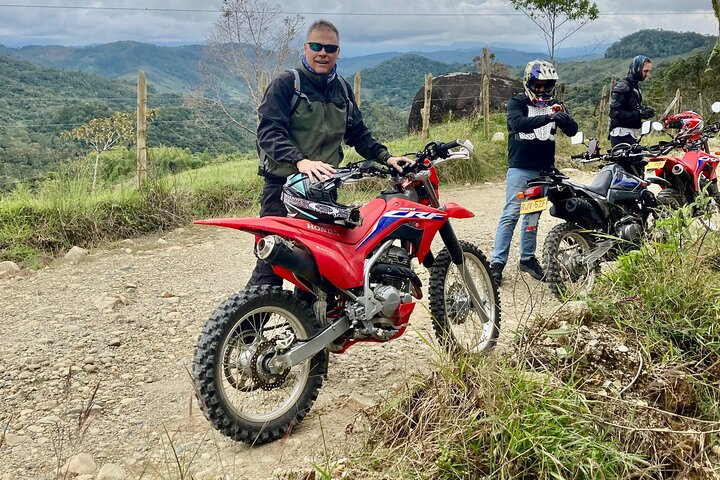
658,43
59,212
395,81
627,389
37,104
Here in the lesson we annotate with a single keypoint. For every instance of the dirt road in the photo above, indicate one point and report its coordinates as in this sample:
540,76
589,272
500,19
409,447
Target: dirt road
124,322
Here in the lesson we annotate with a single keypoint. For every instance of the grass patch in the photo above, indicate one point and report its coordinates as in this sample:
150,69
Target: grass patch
488,418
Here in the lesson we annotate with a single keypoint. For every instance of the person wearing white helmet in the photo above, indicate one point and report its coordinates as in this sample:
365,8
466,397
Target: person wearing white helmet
533,118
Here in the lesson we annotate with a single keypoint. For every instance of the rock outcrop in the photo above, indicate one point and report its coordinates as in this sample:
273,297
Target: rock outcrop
459,95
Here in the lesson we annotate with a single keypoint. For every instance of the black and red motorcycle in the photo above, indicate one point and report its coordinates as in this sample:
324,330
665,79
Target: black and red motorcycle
611,215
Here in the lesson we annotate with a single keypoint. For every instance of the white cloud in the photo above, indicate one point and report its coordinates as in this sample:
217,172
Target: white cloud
359,34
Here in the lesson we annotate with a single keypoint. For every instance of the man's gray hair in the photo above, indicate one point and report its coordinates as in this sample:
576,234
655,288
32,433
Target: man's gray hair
323,24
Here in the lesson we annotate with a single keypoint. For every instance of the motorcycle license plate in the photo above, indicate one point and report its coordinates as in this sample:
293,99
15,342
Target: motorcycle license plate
654,165
531,206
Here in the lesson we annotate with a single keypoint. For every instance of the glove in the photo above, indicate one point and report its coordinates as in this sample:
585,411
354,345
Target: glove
647,112
560,118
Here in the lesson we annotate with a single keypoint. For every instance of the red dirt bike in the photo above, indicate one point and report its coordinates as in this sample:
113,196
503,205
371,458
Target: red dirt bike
263,354
693,172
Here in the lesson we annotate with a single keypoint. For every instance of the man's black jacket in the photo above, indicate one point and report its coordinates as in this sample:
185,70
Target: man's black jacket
625,104
527,149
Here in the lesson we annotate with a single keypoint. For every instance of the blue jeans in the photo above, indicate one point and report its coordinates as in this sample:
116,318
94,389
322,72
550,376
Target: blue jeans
516,181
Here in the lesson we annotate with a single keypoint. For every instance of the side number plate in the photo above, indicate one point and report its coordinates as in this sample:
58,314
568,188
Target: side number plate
531,206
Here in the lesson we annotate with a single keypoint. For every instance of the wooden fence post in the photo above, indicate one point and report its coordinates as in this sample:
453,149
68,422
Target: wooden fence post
602,112
560,91
425,112
486,106
357,88
701,108
141,114
674,103
678,105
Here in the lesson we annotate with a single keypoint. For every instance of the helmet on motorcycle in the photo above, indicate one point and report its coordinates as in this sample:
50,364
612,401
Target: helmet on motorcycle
317,202
636,67
539,73
689,124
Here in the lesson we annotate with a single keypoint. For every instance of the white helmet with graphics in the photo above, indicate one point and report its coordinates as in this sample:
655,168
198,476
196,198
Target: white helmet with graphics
539,81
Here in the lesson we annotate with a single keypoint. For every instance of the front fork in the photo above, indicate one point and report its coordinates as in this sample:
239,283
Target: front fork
458,257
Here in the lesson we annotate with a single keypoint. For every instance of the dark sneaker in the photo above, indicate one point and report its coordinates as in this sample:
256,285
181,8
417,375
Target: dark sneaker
496,270
532,266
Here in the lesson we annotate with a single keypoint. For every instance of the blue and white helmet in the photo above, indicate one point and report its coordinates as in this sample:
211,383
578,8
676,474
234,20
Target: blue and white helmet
540,71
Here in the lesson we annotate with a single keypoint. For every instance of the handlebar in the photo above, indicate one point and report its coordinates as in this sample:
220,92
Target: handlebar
432,154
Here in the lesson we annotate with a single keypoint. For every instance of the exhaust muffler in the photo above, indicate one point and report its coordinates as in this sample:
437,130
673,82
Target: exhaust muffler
275,250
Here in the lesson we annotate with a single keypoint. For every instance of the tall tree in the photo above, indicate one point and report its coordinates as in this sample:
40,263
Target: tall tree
102,134
251,38
557,19
714,60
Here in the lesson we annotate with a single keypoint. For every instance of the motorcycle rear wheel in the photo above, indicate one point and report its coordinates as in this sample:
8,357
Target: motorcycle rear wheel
565,271
242,399
457,324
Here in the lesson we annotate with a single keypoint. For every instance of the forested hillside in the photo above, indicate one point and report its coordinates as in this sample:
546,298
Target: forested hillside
171,68
37,104
395,81
658,43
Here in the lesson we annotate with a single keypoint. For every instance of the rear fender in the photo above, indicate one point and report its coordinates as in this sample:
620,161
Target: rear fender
256,226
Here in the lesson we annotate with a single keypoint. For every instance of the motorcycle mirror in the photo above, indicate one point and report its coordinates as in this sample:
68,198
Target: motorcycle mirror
645,129
578,138
658,126
716,107
467,145
593,146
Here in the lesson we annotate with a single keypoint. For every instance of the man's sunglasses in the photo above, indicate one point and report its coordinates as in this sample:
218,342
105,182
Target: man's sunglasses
317,47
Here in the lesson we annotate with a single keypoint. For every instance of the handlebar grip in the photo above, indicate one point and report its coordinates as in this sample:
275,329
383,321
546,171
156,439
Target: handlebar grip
577,157
443,148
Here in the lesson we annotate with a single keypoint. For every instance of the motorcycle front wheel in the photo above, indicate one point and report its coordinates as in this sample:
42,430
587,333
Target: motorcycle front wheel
240,396
710,216
564,252
465,317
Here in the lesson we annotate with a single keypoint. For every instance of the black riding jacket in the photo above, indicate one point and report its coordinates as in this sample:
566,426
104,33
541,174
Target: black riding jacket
316,127
531,134
625,104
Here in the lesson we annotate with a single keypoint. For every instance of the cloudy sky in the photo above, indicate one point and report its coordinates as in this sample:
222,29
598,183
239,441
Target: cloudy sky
366,26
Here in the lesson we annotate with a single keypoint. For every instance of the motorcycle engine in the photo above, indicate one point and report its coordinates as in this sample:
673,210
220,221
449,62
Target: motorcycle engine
391,274
391,269
629,229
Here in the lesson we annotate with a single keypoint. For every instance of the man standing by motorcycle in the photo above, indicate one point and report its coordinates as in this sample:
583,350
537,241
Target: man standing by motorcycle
304,116
626,110
533,118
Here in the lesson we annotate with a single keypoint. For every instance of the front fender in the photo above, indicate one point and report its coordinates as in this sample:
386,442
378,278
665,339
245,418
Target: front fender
456,211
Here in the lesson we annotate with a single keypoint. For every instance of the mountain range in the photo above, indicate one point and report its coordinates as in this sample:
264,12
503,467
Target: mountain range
175,69
47,90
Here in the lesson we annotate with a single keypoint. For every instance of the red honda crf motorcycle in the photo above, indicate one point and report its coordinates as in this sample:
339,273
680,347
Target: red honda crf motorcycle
693,172
263,354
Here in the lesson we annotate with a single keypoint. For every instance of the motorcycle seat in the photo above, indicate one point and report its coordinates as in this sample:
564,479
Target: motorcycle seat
601,183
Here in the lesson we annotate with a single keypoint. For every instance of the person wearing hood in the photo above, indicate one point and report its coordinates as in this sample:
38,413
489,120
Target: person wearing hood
305,115
626,109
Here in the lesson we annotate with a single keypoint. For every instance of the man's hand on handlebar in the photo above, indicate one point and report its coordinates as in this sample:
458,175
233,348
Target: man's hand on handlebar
399,162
